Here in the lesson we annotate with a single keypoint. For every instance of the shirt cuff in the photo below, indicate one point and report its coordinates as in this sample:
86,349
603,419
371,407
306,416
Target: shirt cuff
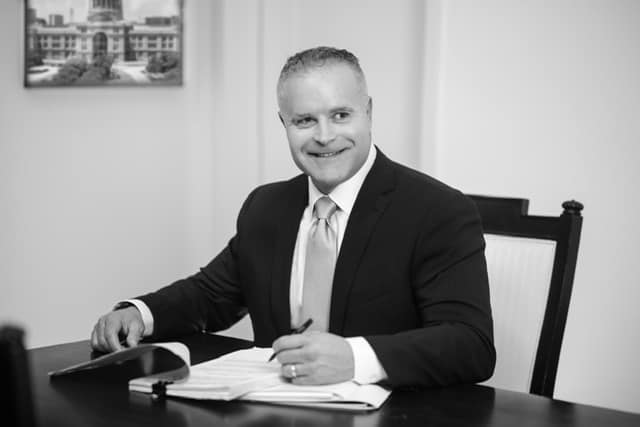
147,317
367,367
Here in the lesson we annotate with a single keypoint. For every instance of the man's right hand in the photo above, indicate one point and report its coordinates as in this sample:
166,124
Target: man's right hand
122,322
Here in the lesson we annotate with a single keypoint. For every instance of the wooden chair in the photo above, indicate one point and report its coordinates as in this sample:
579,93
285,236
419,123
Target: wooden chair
15,381
531,262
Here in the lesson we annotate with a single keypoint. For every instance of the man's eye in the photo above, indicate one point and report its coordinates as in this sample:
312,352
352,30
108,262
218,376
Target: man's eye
341,116
304,122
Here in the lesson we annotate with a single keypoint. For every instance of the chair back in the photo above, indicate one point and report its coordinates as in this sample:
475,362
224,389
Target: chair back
15,380
531,263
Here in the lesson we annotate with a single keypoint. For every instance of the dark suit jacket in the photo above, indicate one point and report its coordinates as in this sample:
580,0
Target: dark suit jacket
410,277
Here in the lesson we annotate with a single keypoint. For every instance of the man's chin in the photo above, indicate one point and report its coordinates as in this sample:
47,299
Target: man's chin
326,185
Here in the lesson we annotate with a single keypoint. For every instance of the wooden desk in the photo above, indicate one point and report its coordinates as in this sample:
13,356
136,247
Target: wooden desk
101,398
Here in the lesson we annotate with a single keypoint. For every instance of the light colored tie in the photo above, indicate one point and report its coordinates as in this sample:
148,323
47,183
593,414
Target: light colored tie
319,265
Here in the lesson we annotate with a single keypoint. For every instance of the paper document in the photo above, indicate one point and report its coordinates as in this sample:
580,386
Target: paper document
224,378
346,395
246,375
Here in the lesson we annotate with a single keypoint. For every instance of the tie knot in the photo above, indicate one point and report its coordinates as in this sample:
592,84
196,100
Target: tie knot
324,208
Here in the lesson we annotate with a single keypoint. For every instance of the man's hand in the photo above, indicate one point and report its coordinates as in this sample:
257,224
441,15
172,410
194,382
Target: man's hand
126,321
315,358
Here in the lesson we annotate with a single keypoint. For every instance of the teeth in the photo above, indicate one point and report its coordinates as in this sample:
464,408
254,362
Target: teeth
327,154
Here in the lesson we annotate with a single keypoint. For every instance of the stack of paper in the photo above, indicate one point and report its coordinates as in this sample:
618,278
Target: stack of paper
246,375
346,395
224,378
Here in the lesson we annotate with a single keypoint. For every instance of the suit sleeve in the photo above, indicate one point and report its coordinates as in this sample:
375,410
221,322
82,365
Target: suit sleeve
454,343
208,300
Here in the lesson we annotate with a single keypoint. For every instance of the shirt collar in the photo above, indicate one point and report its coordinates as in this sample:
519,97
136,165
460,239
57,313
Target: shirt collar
344,195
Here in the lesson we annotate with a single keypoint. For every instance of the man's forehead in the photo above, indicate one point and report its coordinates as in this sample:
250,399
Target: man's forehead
336,71
336,83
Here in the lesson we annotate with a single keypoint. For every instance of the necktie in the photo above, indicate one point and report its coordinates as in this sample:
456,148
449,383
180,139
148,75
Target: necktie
320,261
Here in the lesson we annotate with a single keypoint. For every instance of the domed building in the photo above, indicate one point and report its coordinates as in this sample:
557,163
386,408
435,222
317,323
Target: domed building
105,31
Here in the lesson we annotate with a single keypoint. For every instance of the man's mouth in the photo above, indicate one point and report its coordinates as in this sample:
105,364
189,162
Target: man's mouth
329,154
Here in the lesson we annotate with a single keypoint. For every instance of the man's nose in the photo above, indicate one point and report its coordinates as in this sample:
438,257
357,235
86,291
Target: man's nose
324,132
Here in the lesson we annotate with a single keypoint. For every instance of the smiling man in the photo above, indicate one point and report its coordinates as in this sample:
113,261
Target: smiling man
326,112
385,263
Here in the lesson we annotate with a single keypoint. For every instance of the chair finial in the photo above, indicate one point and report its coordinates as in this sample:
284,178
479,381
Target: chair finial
572,207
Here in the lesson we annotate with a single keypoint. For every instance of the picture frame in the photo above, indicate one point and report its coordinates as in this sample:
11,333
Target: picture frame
79,43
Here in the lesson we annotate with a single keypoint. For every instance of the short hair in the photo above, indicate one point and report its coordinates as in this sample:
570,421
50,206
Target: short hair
318,57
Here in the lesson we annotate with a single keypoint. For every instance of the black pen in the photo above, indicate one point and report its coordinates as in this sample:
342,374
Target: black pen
297,330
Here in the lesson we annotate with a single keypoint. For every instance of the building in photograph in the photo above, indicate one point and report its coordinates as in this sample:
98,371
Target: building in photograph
157,20
56,20
31,15
105,31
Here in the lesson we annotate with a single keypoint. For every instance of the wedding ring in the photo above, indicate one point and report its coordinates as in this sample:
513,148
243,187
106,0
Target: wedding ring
294,374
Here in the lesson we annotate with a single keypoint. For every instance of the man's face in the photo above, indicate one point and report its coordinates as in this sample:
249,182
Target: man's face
327,115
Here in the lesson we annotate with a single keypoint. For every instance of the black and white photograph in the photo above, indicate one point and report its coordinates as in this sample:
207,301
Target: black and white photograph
343,213
103,42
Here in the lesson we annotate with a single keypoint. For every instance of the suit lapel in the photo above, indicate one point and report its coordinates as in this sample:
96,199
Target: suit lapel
293,205
372,200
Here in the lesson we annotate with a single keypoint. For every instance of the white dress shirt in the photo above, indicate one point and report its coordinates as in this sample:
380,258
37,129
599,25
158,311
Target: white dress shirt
367,366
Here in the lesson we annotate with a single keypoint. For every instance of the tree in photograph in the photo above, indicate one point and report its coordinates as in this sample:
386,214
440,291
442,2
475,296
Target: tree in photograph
174,74
71,71
99,71
78,70
34,58
164,62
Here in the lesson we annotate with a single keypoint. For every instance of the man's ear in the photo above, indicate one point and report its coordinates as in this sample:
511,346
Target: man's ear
370,108
281,120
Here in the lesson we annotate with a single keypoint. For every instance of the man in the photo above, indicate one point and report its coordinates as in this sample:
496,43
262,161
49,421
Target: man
368,249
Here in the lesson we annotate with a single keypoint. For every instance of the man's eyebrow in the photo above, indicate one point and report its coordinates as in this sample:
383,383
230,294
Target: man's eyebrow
297,116
345,108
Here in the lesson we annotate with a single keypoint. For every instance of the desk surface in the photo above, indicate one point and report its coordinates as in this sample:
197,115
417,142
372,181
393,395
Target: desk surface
101,398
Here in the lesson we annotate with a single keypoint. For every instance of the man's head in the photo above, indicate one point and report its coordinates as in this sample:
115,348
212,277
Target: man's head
326,111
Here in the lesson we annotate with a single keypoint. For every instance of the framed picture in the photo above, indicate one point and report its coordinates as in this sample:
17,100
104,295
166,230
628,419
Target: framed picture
103,43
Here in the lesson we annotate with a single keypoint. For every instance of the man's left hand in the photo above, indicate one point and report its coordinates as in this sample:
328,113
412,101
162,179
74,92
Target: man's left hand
315,358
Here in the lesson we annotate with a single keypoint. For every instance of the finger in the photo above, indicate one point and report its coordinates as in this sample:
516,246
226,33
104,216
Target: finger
305,380
311,374
111,330
134,334
296,355
94,338
294,371
285,371
102,342
288,342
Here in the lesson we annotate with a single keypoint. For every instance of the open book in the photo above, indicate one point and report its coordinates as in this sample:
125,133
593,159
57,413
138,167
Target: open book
242,375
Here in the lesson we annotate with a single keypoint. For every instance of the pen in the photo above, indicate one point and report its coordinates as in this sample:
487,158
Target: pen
297,330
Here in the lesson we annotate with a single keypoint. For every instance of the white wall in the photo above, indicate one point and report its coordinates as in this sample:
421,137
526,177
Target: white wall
541,99
104,193
109,193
